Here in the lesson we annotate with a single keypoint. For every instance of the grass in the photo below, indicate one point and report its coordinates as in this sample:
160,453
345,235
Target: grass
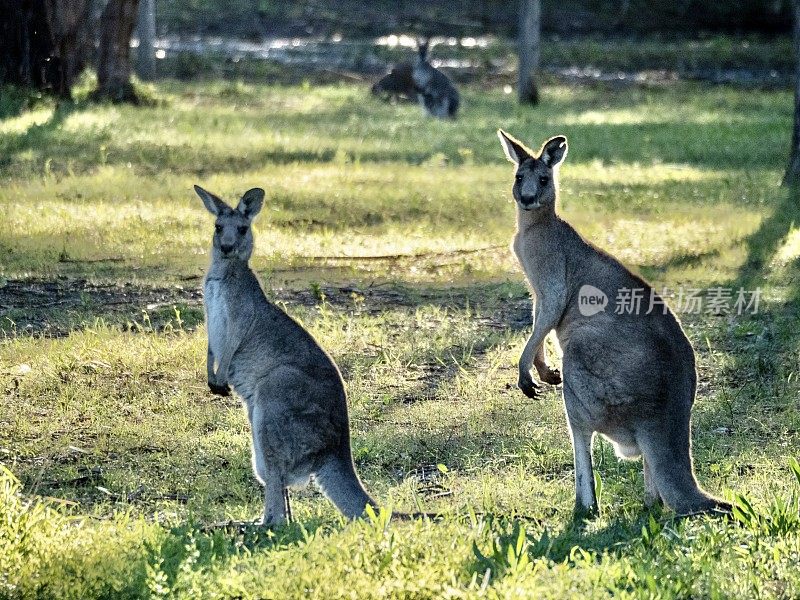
387,235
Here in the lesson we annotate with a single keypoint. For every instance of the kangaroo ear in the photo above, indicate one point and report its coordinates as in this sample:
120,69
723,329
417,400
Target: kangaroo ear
251,202
515,150
554,151
214,204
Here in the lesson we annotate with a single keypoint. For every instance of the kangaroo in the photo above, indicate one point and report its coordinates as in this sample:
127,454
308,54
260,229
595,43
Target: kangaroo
628,376
436,93
292,389
397,84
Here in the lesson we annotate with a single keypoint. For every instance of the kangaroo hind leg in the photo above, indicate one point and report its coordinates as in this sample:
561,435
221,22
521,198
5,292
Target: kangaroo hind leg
276,499
651,495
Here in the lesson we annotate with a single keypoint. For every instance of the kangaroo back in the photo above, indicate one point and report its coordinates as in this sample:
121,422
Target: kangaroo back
398,84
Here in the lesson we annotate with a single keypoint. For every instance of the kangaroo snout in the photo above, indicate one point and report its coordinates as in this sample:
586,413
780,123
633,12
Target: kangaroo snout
226,248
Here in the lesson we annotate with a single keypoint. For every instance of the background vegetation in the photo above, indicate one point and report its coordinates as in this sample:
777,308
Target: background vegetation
468,17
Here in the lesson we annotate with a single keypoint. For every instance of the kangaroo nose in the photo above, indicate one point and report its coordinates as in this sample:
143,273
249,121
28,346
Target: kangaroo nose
527,200
226,248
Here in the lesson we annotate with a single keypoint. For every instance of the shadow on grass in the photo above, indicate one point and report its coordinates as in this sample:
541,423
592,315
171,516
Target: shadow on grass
774,351
14,101
764,243
340,126
510,543
766,354
195,547
36,136
758,350
607,143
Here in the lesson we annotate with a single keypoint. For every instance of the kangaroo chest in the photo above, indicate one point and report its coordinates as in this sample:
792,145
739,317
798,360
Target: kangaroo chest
532,254
421,77
545,265
217,315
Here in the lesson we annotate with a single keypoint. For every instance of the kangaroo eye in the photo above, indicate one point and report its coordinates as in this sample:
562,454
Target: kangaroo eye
218,228
544,180
518,177
242,230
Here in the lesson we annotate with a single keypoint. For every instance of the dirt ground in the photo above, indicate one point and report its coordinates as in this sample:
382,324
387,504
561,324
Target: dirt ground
54,307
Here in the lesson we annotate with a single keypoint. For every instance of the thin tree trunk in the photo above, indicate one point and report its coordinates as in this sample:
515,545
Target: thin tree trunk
530,26
792,176
145,57
114,57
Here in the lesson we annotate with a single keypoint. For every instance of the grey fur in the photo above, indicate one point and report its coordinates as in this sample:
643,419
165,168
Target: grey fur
436,93
292,389
628,377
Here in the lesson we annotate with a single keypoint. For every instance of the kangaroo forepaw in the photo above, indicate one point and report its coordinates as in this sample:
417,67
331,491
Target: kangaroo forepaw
529,387
219,390
549,375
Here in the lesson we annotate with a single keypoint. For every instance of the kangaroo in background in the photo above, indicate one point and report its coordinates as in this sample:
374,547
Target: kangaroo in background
437,94
630,377
397,84
292,389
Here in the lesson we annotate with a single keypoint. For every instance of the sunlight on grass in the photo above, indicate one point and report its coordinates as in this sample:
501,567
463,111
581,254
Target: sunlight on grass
597,172
78,123
677,234
388,210
22,123
790,249
653,115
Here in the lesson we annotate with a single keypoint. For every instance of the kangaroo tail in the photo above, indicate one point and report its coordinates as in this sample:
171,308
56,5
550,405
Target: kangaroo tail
338,480
669,456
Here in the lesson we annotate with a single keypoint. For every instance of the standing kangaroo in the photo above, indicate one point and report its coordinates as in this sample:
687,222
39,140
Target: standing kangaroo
293,392
437,94
629,376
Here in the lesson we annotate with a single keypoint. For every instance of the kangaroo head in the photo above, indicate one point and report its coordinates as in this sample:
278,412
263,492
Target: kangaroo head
233,236
535,185
422,49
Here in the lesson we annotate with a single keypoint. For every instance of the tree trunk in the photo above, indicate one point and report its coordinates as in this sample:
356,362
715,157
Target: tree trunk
145,57
530,29
114,56
69,29
792,176
25,43
43,43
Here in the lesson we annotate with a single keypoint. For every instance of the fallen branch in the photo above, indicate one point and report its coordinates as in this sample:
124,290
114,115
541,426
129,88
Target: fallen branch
65,259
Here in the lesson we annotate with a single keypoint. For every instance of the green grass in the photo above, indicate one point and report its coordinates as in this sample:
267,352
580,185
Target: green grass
387,235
